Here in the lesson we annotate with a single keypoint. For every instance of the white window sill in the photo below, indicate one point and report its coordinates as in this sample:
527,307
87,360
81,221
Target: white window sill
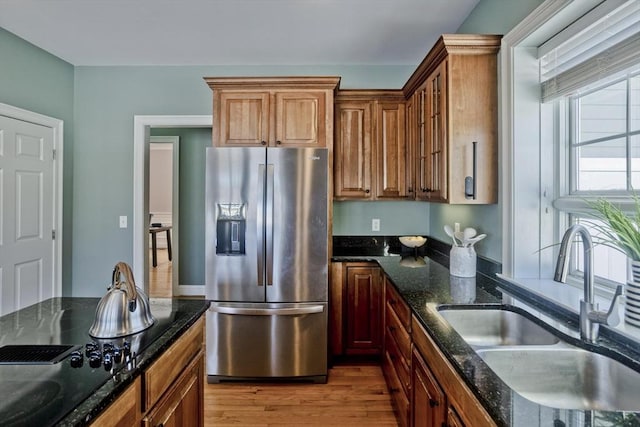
568,296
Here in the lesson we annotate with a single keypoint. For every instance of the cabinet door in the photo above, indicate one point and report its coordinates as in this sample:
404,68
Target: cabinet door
240,119
391,152
353,150
453,419
428,404
363,311
125,411
423,157
411,133
300,119
437,133
183,404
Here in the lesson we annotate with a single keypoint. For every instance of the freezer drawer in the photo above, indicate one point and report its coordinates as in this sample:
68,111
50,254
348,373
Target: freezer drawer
266,340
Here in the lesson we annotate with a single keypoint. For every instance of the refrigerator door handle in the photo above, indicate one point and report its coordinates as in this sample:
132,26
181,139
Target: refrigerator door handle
260,223
252,311
269,225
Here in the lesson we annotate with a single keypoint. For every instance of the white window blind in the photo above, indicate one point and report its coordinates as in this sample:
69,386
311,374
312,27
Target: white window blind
602,43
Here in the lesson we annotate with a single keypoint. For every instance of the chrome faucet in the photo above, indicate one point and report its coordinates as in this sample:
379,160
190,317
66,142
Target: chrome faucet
590,317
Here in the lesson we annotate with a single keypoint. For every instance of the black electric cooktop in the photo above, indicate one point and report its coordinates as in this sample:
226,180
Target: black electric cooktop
41,392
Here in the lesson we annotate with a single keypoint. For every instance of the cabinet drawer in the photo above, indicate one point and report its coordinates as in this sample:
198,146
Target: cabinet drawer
399,306
398,332
170,365
398,397
401,364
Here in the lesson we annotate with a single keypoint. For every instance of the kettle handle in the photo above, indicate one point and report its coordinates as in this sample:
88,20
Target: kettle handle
123,268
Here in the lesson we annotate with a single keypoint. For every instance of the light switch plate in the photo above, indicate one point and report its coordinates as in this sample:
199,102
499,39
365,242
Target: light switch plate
123,221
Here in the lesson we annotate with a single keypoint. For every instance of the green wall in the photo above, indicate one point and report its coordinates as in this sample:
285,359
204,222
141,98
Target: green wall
35,80
353,218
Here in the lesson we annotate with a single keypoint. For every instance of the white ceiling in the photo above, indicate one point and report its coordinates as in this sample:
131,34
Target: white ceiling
234,32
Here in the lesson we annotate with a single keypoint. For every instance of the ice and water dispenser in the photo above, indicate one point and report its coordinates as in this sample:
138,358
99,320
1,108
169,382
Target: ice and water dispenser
230,229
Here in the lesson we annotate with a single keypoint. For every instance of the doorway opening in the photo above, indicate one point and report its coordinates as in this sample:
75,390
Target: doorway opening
141,265
164,185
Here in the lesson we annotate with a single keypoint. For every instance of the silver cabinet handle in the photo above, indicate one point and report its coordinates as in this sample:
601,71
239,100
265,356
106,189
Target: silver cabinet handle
250,311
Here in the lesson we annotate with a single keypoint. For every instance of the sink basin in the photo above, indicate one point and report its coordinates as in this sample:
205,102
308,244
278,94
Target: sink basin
566,377
496,327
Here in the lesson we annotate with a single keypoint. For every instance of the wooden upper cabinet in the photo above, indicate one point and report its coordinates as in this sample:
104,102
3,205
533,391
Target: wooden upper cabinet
273,111
299,119
243,118
353,166
370,145
391,150
455,97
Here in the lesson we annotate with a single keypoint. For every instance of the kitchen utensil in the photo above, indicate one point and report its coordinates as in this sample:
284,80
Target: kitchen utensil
467,234
124,310
474,240
459,237
450,233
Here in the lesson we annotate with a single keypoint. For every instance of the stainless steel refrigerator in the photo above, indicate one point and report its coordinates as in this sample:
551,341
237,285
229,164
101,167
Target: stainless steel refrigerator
266,269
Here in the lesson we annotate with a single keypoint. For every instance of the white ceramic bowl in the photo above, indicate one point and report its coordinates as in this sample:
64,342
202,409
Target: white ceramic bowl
413,241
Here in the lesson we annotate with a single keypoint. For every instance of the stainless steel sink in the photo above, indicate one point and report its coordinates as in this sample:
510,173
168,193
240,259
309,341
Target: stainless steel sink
566,377
496,327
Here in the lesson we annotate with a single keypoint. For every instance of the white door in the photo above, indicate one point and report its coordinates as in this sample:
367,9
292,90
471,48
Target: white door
27,214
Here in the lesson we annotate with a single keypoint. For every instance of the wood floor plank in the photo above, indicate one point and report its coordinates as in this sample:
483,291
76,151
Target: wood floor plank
355,395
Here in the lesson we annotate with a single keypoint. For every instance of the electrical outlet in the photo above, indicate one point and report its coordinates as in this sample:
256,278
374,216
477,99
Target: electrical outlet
375,224
123,221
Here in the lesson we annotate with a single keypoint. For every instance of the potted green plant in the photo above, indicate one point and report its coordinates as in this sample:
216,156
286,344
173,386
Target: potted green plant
620,230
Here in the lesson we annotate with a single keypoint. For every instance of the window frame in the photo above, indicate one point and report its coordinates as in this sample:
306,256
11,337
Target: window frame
529,252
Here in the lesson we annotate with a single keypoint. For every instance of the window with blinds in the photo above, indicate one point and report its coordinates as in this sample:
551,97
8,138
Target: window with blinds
590,72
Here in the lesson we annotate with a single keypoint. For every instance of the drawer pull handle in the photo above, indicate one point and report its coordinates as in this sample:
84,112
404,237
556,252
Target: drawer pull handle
433,403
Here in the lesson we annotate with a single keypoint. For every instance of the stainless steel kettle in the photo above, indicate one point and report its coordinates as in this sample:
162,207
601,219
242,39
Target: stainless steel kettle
124,310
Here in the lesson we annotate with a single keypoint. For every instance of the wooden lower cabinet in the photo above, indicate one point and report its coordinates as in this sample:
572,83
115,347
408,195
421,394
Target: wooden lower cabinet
356,309
453,419
396,364
168,393
428,399
425,389
182,403
439,392
125,411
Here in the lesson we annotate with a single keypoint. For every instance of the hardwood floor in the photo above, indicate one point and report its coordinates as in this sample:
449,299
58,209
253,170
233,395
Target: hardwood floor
355,395
160,276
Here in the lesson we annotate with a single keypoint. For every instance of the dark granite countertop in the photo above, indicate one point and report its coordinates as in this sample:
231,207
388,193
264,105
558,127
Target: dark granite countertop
59,394
425,288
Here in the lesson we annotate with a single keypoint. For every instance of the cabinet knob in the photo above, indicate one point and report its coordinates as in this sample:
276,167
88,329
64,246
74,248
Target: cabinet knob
263,142
278,142
433,403
410,190
367,191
